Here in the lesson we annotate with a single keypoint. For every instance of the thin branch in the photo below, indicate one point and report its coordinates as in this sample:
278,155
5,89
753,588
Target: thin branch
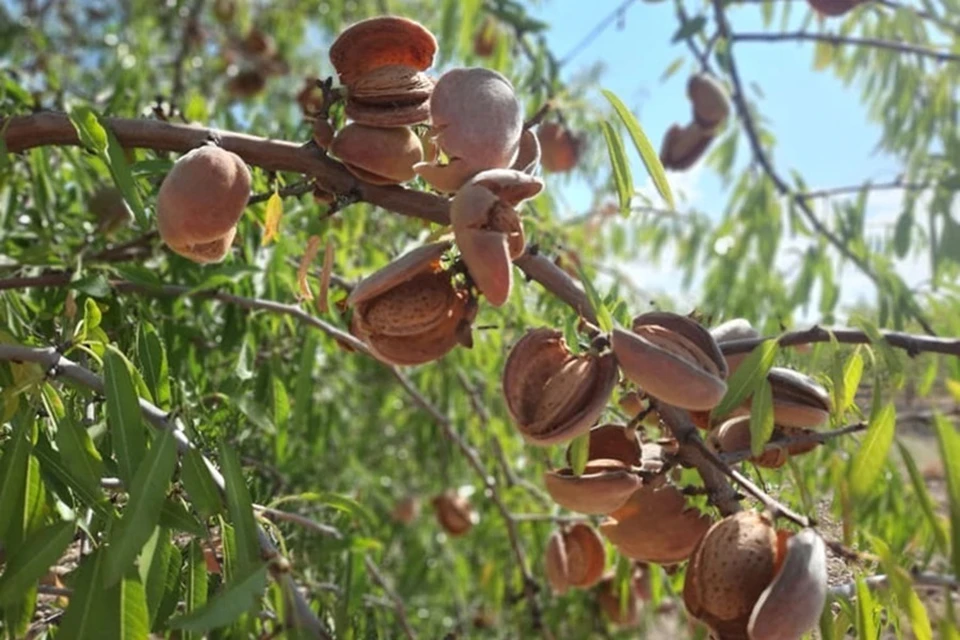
546,517
611,18
296,189
51,590
398,607
753,135
49,128
277,515
838,40
912,344
58,366
891,185
191,25
920,578
818,437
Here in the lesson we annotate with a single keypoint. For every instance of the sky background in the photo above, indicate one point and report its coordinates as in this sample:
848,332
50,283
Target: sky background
820,125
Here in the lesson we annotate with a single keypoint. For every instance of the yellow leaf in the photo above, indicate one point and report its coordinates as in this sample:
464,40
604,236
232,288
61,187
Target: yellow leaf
271,223
953,386
313,245
325,277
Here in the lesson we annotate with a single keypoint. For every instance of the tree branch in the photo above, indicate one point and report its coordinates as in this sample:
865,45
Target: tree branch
398,607
838,40
912,344
49,128
743,111
920,578
58,366
819,437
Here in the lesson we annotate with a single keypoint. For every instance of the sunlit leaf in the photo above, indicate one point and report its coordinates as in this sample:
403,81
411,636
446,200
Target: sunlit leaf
949,442
240,508
228,605
748,376
870,458
620,166
761,417
123,416
271,221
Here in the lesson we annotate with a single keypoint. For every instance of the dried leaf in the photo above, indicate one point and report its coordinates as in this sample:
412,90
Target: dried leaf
313,245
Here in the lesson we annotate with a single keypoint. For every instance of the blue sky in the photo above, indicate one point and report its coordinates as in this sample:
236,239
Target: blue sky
821,128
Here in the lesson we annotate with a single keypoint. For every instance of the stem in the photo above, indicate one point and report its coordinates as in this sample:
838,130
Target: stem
912,344
877,43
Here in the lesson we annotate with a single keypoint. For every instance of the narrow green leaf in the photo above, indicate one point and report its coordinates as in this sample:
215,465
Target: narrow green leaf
196,580
620,166
92,135
171,590
869,459
866,627
52,463
32,560
153,362
761,417
649,155
579,453
14,467
852,374
123,416
240,507
174,515
748,376
228,605
122,176
603,314
949,442
923,496
79,455
203,491
153,568
86,614
142,513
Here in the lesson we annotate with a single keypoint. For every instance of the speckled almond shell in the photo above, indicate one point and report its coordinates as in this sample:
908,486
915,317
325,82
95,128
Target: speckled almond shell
560,150
201,200
791,606
476,116
656,525
532,363
683,146
602,488
575,557
733,565
382,41
710,104
613,442
381,155
454,513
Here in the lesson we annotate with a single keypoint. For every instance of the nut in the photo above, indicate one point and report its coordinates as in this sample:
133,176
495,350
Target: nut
834,7
561,149
379,42
485,40
406,510
378,155
735,329
394,95
711,107
201,201
553,395
798,401
575,558
613,442
528,157
488,230
247,83
454,513
655,525
747,580
734,435
475,118
683,146
410,312
673,358
603,487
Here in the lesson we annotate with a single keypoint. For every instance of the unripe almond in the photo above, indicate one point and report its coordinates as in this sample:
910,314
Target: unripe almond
485,40
406,510
683,146
560,149
378,155
710,104
201,201
247,83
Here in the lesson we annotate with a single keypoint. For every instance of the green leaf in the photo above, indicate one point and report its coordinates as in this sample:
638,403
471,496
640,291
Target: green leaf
123,417
142,513
240,507
901,234
649,155
203,491
852,374
116,613
91,133
153,362
174,515
14,466
761,417
94,284
866,628
949,442
79,455
32,560
91,314
171,590
689,28
228,605
869,459
580,453
603,314
196,579
122,177
748,377
153,568
621,167
923,496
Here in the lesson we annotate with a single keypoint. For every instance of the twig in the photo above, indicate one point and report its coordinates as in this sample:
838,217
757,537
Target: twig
62,367
49,128
743,111
51,590
596,32
837,40
892,185
399,608
276,514
920,578
733,457
546,517
297,189
190,24
912,344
